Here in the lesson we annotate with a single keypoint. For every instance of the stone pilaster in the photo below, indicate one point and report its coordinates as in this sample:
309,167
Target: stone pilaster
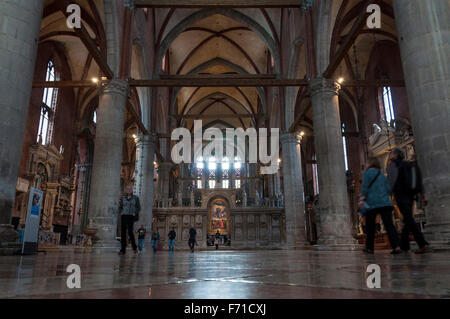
19,35
424,33
105,185
252,183
334,205
293,188
146,145
219,175
192,198
164,175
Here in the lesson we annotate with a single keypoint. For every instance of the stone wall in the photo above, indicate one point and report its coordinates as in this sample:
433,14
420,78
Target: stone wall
251,227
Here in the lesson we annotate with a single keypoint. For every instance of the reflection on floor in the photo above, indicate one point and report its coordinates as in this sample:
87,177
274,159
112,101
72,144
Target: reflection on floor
226,275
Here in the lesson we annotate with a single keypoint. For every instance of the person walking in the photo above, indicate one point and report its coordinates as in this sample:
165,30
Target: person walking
218,236
155,240
129,207
141,237
192,238
375,199
406,181
172,237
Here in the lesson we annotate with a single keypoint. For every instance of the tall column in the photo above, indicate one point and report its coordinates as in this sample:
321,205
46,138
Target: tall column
20,23
192,198
105,185
253,172
424,32
293,188
164,175
146,147
334,206
232,176
219,175
205,175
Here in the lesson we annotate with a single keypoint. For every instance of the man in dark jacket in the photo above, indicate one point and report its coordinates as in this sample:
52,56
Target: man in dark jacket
218,237
129,210
172,237
192,238
406,183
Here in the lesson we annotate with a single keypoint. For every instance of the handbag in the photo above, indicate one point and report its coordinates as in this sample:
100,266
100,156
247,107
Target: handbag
366,207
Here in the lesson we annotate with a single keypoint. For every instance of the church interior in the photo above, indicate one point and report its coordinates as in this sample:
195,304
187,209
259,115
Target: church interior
88,110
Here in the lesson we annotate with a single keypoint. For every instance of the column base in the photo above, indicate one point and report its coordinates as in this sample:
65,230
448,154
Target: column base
438,234
298,246
9,245
106,246
439,245
337,244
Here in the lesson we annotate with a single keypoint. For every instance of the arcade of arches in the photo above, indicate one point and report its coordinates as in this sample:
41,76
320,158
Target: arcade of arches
86,112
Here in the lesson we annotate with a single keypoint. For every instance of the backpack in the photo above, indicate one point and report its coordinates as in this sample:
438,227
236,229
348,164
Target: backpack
137,206
409,178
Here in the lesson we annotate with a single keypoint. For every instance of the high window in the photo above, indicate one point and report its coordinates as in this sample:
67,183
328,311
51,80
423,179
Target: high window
211,168
237,172
48,108
316,176
386,104
344,143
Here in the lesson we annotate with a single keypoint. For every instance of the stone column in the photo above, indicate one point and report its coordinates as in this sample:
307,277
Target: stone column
277,184
334,206
146,145
164,175
105,184
424,33
192,198
206,176
253,172
219,175
293,187
232,176
138,169
20,23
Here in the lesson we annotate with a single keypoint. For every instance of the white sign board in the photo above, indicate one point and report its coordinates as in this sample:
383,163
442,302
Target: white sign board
30,237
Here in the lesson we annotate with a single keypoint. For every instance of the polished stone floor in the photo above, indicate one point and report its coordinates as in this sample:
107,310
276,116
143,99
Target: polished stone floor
226,275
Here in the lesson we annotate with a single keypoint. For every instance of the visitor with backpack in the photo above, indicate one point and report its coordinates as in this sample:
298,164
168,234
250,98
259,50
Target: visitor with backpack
141,237
172,237
375,199
155,240
129,207
218,238
406,182
192,238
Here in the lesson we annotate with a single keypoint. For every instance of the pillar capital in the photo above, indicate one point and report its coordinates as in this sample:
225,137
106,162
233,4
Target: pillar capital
322,85
116,86
145,140
290,138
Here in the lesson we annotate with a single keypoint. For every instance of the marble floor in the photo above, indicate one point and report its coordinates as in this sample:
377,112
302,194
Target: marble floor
226,275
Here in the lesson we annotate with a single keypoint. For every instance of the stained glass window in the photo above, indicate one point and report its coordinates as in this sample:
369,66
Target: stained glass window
48,107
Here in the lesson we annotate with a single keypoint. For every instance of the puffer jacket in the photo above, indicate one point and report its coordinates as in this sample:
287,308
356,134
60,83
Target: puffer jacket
130,206
380,192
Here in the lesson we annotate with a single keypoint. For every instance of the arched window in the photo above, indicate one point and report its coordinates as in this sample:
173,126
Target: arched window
227,168
237,172
94,117
48,107
386,104
316,176
226,173
344,142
